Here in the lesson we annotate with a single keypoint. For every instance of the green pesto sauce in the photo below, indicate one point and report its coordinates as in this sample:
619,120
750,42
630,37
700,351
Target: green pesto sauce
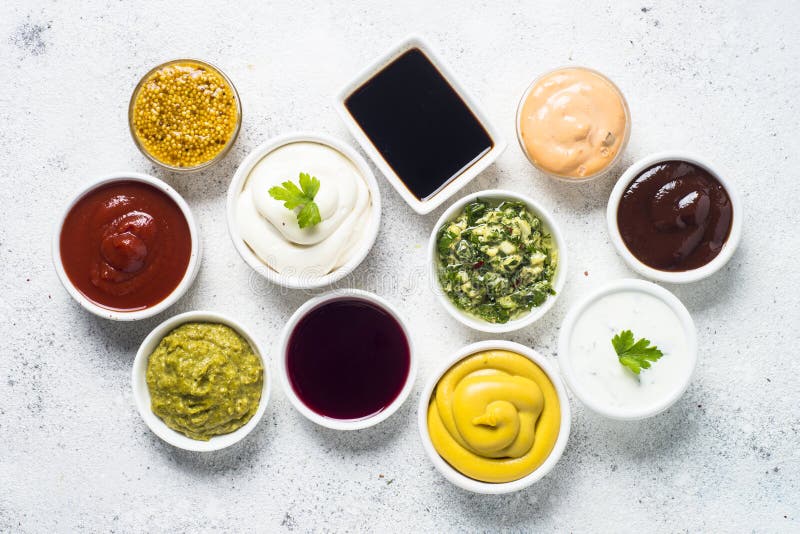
204,380
496,262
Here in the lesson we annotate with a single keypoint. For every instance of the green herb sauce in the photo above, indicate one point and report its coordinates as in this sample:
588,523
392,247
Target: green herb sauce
496,261
204,380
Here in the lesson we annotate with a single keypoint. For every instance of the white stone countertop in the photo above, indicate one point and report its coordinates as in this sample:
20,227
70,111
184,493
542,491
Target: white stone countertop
718,77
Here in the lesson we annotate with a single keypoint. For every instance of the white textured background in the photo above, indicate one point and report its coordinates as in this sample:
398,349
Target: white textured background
719,78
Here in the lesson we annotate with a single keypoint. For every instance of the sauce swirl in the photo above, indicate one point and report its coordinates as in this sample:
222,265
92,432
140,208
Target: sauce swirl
272,232
573,123
675,216
494,416
125,245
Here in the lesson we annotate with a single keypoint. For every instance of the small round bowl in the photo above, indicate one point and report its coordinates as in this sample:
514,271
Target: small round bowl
536,312
568,370
141,393
605,170
180,289
283,373
367,239
452,474
225,149
677,277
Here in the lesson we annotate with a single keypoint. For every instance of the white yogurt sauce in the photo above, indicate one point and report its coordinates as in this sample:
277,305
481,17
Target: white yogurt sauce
595,364
272,231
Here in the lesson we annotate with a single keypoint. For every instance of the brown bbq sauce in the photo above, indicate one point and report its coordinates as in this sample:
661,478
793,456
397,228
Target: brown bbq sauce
419,124
675,216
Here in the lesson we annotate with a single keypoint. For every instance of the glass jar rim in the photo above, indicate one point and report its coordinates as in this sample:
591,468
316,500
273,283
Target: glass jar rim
622,147
231,140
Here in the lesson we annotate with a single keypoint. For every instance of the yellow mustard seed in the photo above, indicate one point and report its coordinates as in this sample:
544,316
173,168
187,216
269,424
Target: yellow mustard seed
184,114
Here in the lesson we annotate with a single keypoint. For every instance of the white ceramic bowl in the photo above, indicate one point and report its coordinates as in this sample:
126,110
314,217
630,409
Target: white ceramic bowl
191,270
467,175
680,277
141,393
605,170
367,239
561,269
568,370
343,424
452,474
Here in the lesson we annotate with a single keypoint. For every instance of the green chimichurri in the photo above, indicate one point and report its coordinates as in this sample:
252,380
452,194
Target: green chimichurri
496,261
204,380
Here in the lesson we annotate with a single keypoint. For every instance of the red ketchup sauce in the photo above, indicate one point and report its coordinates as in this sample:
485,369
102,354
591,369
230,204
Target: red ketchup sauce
125,245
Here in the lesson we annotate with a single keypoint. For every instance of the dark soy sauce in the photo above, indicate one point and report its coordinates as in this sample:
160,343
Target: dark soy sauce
348,359
419,124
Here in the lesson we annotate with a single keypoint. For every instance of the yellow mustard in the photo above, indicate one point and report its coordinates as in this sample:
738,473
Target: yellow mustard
494,416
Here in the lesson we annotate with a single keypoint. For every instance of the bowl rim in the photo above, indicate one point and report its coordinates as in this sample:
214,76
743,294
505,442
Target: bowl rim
141,393
561,269
452,474
194,256
222,153
605,171
283,373
677,277
421,207
568,325
367,239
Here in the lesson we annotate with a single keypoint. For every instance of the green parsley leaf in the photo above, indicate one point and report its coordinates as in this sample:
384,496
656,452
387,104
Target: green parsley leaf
309,184
302,197
635,355
309,215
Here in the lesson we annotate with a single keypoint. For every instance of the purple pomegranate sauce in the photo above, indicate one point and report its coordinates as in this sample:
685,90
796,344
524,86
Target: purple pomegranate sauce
348,359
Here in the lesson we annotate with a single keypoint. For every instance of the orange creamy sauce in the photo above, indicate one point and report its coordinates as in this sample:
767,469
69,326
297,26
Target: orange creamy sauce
573,123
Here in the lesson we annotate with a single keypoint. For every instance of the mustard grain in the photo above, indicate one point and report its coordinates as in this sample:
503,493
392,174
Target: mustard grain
184,114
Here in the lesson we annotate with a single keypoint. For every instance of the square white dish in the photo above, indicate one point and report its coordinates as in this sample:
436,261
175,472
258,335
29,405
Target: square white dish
466,175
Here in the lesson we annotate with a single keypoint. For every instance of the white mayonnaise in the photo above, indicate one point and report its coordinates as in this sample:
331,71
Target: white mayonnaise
595,365
272,231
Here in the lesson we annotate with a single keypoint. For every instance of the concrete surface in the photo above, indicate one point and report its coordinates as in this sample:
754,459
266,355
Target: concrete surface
718,77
